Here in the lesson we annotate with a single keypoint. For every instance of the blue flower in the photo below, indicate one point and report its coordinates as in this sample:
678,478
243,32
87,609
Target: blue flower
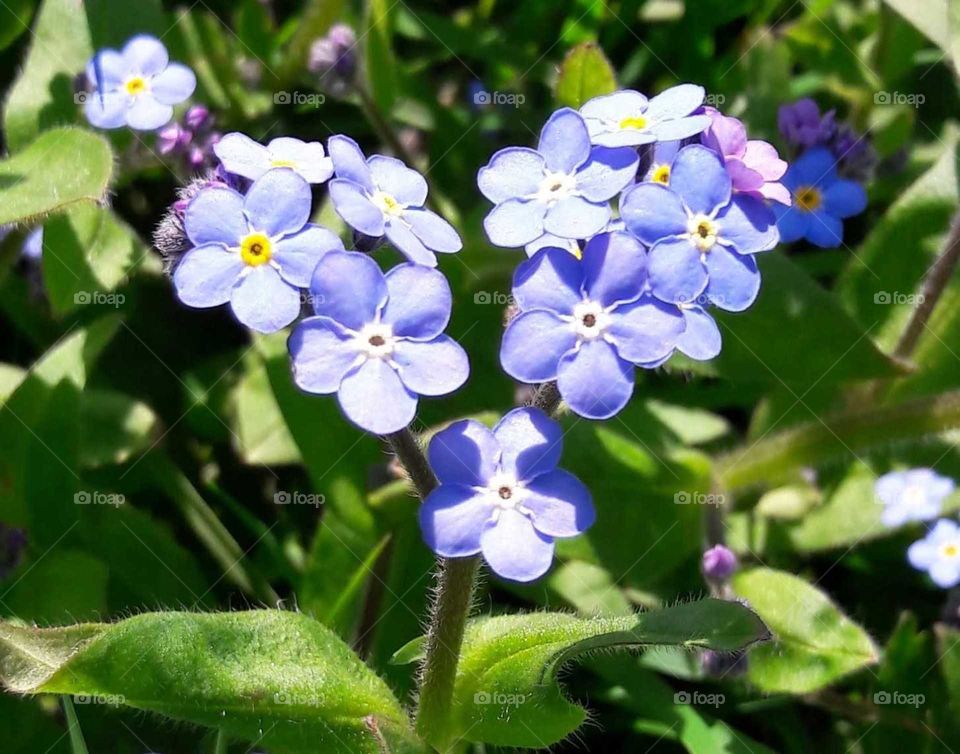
563,187
377,340
626,118
255,252
245,157
382,196
502,494
938,554
913,495
137,86
32,249
700,339
702,235
585,323
821,200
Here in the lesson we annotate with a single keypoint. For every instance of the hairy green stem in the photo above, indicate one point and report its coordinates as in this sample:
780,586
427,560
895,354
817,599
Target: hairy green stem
837,436
77,744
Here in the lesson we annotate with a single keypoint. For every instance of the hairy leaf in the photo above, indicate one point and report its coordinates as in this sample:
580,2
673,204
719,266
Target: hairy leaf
584,74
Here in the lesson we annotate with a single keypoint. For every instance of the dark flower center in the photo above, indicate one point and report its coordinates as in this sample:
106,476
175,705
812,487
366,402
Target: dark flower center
703,230
256,249
505,493
377,340
589,320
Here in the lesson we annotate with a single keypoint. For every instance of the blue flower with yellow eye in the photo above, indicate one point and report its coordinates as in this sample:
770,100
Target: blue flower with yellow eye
821,200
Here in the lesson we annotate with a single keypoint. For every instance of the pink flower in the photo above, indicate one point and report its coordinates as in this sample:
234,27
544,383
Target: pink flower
754,166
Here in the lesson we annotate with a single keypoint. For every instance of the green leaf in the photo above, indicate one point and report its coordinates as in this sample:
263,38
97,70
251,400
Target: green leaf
584,74
113,428
22,11
88,252
262,435
62,168
276,678
814,642
382,66
506,691
929,16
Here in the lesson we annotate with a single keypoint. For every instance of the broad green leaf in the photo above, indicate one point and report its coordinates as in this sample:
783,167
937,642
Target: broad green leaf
506,691
814,642
22,12
66,585
62,168
382,68
263,437
584,74
88,253
113,427
279,679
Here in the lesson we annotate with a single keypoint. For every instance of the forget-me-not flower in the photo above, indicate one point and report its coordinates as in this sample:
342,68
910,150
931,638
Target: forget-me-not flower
912,495
563,187
628,119
701,235
586,322
255,251
700,339
938,554
137,86
821,200
382,196
501,494
377,340
245,157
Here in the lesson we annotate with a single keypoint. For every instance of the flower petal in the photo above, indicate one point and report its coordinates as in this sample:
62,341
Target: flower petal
676,102
646,330
530,442
307,158
594,381
402,236
653,212
452,518
792,222
145,54
321,354
533,345
551,279
433,367
614,268
242,156
466,452
575,217
174,85
349,288
824,230
352,203
206,275
700,179
433,231
299,254
263,301
215,215
349,162
564,141
680,128
844,199
374,398
112,70
607,172
734,279
514,550
676,273
515,222
108,110
701,338
814,167
278,202
749,224
512,173
393,177
418,303
561,504
145,113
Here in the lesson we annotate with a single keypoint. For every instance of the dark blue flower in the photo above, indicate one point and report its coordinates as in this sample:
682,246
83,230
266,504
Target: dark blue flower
502,494
821,200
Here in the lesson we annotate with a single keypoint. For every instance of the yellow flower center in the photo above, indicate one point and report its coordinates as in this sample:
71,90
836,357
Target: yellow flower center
135,85
637,122
282,164
703,232
808,198
387,204
256,249
661,174
951,550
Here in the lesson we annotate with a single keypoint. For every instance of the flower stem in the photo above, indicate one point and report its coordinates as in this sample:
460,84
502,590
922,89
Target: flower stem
933,286
77,744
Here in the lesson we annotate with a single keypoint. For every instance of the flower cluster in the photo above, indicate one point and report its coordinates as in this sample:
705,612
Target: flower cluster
192,139
821,179
918,495
601,295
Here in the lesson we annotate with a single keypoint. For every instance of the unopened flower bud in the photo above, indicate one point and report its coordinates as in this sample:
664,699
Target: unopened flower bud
719,563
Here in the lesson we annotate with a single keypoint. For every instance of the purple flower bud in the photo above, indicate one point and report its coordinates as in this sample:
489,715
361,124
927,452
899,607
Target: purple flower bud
197,118
719,563
172,138
802,125
334,59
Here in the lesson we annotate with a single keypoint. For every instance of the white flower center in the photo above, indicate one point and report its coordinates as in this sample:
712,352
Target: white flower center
590,320
556,186
702,231
387,204
376,340
506,493
913,496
